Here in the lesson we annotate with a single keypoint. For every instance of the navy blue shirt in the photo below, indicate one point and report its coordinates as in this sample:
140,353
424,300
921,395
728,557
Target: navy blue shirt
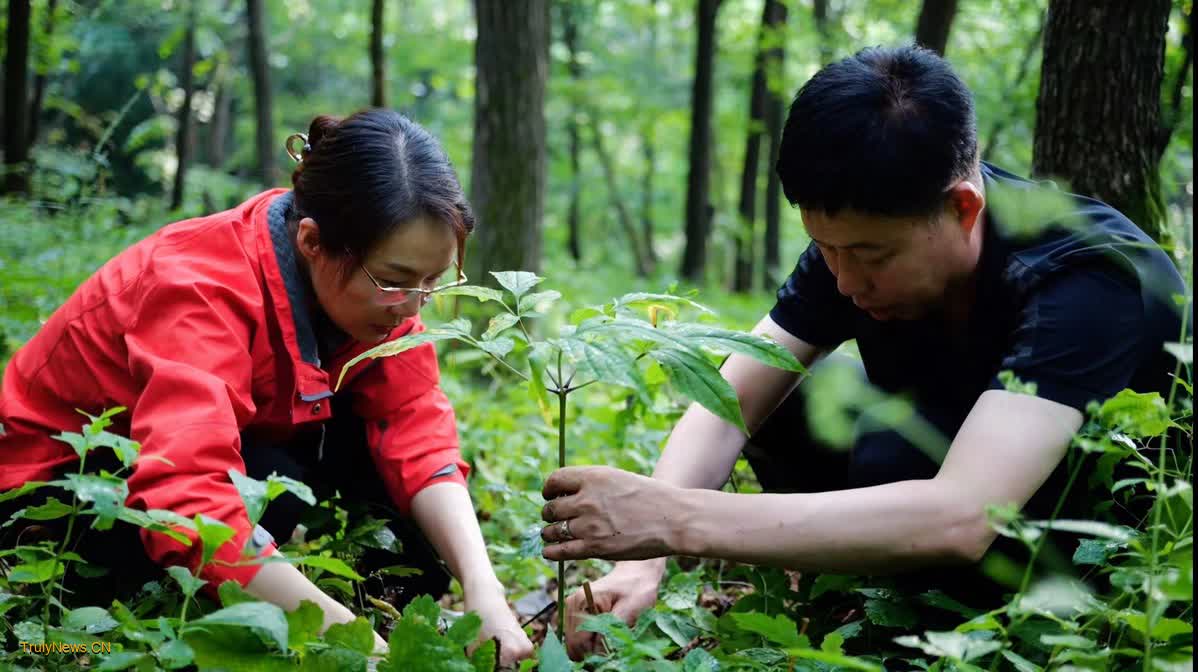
1074,298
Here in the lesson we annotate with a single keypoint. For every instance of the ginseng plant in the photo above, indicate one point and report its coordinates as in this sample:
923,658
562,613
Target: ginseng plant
599,345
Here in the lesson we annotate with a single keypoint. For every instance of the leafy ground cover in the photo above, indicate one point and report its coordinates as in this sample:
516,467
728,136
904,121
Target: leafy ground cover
508,357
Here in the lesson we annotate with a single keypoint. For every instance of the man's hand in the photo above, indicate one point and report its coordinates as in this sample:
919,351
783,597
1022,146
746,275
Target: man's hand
501,625
627,591
601,512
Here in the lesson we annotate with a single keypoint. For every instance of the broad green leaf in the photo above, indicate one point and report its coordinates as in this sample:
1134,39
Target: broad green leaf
838,660
160,521
678,627
1070,641
699,660
452,330
331,565
1162,629
231,592
464,629
265,620
778,630
175,654
213,535
604,362
1141,415
537,302
52,509
645,299
1094,551
253,494
681,592
92,620
36,572
77,442
1088,527
187,583
107,494
1184,352
695,377
483,294
357,635
277,485
516,282
484,657
751,345
890,614
303,623
334,660
121,660
498,324
499,347
552,656
423,610
26,488
1021,664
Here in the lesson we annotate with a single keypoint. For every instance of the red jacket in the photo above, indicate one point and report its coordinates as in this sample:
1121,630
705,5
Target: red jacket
192,330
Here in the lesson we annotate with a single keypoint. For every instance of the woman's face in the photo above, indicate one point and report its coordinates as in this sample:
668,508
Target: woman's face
416,255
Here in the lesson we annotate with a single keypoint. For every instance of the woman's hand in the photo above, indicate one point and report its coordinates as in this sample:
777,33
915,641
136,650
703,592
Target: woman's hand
601,512
500,624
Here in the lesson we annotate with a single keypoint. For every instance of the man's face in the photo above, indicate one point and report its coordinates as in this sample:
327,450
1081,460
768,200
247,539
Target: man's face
894,268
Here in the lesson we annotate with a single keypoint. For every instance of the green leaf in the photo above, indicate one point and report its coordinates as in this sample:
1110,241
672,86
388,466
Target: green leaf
334,660
603,362
646,299
1163,629
778,630
838,660
483,294
121,660
187,583
1021,664
1070,641
26,488
265,620
499,347
751,345
231,593
213,535
499,323
453,330
483,658
357,635
303,623
107,494
682,591
52,509
159,521
1184,352
890,614
277,485
331,565
678,627
36,572
699,660
464,629
552,656
1094,551
695,377
516,282
537,303
253,494
1140,415
175,654
92,620
1091,528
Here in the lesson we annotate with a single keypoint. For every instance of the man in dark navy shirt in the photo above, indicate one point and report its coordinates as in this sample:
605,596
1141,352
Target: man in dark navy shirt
963,285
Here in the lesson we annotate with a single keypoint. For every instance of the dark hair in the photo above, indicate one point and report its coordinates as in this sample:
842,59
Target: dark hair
362,177
885,132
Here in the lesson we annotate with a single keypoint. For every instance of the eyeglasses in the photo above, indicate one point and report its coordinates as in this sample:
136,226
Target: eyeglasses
393,296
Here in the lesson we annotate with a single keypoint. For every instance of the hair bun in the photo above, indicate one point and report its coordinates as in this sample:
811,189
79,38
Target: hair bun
320,127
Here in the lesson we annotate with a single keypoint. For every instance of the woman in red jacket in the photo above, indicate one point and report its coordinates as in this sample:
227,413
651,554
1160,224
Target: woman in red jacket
223,335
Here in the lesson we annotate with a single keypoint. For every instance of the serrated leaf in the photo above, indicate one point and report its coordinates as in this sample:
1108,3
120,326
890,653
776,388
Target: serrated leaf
603,362
499,347
52,509
552,656
681,592
678,627
890,614
26,488
743,343
357,635
641,299
36,572
175,654
213,535
265,620
1021,664
695,377
516,282
1141,415
107,494
464,629
483,294
498,324
699,660
537,302
303,623
92,620
230,592
484,657
453,330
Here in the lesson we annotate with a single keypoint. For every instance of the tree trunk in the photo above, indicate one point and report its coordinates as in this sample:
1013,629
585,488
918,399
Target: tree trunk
574,68
613,191
819,13
648,147
262,97
508,173
218,128
1098,116
16,103
698,182
378,78
935,21
39,79
183,138
775,107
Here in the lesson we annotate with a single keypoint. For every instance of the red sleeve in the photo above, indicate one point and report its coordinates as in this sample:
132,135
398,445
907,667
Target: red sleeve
189,354
410,424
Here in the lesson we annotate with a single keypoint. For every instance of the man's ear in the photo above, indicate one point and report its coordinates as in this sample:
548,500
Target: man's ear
966,201
307,238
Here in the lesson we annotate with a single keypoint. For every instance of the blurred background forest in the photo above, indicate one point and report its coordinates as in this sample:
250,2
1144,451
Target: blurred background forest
607,144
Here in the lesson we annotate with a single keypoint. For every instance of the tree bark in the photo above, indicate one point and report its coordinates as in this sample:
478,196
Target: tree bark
935,21
1098,116
218,128
260,68
698,183
574,68
16,103
183,138
508,172
39,79
775,107
378,77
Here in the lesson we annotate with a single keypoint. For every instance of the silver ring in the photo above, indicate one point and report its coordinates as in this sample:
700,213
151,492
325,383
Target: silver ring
563,529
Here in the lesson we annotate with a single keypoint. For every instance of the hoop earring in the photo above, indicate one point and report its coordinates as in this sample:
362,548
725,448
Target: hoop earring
305,148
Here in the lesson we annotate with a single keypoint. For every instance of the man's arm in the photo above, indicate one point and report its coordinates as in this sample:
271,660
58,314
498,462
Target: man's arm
1004,452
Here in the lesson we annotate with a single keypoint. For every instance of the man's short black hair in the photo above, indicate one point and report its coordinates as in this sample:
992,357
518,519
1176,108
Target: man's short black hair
884,132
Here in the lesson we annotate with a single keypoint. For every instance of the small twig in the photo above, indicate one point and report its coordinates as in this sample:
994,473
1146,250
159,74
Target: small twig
544,610
591,609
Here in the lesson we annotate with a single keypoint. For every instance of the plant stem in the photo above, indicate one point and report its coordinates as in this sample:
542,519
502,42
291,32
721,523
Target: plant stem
561,462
